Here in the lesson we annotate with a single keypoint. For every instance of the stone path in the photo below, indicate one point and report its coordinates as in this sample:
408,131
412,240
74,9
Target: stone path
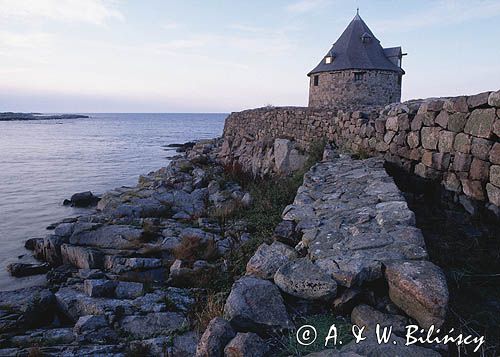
348,237
356,225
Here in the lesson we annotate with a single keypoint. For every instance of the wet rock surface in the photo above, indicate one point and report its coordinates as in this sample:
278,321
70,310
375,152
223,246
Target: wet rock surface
111,270
125,279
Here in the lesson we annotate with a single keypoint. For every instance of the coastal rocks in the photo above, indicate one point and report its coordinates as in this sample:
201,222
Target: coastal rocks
268,259
303,279
246,345
27,269
218,333
110,236
128,290
153,324
99,287
255,305
82,257
419,288
26,308
82,199
74,304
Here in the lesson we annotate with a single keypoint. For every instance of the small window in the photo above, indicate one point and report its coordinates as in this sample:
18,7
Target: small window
358,76
400,77
328,59
316,81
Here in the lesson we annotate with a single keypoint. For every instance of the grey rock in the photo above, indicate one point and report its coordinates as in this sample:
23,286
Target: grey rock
303,279
82,199
256,305
419,288
82,257
128,290
111,236
89,323
27,269
75,304
217,334
99,287
246,345
268,259
26,308
153,324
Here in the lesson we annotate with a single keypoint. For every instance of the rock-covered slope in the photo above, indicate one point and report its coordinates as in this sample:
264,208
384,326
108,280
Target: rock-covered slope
125,278
348,239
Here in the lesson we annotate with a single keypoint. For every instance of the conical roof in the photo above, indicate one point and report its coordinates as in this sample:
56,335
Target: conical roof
357,48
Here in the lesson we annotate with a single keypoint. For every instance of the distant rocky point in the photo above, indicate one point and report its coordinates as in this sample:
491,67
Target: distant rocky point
8,116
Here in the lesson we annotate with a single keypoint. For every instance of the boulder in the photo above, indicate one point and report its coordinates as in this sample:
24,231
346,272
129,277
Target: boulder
89,323
26,308
153,324
74,304
269,258
27,269
82,257
256,305
246,345
99,287
419,289
82,199
217,334
304,279
110,236
128,290
32,243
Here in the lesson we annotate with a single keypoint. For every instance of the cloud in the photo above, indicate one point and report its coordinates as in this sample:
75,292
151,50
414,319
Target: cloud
33,40
96,12
170,26
443,13
304,6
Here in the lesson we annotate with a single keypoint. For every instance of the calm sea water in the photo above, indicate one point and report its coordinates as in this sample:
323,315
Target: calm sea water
44,162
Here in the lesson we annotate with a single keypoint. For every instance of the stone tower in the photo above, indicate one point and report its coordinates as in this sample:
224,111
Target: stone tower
357,71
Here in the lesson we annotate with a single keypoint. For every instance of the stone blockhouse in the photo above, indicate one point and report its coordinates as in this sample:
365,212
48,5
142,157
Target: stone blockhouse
357,72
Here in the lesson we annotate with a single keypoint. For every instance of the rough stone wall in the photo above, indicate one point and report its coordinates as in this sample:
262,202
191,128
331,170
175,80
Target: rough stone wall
454,141
339,89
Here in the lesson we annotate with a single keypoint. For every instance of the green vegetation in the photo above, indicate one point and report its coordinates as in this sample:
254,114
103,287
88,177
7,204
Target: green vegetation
270,196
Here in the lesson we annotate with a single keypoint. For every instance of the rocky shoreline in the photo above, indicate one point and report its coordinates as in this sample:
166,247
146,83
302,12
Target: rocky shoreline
134,276
9,116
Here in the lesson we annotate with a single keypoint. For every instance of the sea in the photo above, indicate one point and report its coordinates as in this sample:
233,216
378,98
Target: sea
43,162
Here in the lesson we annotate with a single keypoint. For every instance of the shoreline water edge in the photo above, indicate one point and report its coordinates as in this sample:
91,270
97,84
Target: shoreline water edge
173,266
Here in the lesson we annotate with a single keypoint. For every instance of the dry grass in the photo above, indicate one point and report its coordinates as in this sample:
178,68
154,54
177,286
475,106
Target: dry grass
209,309
192,249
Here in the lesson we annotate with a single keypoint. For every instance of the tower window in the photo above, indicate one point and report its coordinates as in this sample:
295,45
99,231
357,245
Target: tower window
316,81
400,77
358,76
328,59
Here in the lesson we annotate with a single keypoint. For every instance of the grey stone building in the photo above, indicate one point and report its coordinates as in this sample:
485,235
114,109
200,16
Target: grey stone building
357,71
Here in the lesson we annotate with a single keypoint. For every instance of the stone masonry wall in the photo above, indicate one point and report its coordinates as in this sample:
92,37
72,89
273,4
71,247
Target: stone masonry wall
454,141
339,89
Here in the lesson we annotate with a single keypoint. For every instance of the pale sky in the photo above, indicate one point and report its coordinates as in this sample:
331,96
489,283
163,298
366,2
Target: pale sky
221,56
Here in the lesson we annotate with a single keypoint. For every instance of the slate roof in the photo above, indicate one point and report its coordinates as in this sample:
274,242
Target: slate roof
351,52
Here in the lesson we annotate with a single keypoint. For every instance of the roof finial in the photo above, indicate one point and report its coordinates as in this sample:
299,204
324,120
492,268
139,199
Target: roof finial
357,11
